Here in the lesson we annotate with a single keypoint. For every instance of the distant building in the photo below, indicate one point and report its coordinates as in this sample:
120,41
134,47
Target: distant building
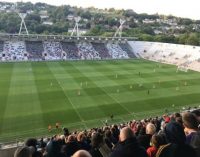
148,21
70,17
47,23
44,17
29,11
43,12
81,31
158,32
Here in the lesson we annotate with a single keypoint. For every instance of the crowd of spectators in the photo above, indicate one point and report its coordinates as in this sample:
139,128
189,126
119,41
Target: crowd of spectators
50,50
1,46
116,52
35,50
1,49
175,135
87,52
53,50
14,50
101,48
71,50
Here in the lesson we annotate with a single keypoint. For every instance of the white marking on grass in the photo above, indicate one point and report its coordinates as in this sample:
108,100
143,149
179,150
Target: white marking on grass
18,86
73,106
102,122
44,131
126,109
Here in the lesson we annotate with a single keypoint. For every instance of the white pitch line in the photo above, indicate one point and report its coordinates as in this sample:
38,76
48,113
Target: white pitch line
114,100
108,94
80,117
98,119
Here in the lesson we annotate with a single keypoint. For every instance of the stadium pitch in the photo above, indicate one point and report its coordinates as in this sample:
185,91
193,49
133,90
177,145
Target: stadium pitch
84,94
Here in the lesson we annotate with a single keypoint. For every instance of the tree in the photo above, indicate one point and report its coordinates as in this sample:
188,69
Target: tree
112,21
185,21
182,39
146,37
33,17
86,15
148,30
193,39
97,30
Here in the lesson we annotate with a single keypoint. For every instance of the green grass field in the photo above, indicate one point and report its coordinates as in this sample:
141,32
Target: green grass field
36,94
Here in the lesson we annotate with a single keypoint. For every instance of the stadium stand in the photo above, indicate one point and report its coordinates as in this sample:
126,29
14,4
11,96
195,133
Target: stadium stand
101,48
35,50
125,47
14,50
181,55
71,50
1,49
87,52
166,133
116,52
52,50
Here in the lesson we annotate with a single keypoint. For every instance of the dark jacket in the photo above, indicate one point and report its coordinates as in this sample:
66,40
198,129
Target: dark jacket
144,140
129,148
84,145
176,146
195,142
95,152
71,148
53,149
174,150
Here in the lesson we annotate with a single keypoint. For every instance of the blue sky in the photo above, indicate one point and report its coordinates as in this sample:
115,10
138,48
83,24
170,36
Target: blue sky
182,8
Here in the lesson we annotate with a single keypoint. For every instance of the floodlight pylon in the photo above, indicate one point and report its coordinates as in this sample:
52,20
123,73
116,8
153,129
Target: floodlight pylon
23,24
120,29
76,27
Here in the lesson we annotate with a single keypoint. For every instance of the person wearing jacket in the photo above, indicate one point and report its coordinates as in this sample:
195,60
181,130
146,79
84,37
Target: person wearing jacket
128,145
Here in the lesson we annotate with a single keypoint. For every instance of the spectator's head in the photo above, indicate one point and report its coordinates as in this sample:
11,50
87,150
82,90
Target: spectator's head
190,121
162,125
96,140
65,131
70,138
31,142
179,120
81,137
197,114
150,129
157,140
125,134
177,115
108,133
81,153
53,148
23,152
174,133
